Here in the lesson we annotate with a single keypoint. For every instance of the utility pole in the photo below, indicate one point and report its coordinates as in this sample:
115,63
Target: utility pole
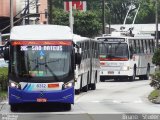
28,11
70,16
11,13
103,16
37,6
50,11
156,5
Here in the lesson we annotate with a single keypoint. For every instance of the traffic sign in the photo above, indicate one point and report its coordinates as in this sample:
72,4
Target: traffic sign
77,5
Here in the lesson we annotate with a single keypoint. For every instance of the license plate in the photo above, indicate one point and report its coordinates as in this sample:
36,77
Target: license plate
110,72
41,100
53,85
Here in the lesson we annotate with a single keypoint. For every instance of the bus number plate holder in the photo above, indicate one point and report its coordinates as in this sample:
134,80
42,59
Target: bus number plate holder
111,72
41,100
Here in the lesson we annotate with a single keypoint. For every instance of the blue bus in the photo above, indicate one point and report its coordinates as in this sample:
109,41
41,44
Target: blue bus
42,60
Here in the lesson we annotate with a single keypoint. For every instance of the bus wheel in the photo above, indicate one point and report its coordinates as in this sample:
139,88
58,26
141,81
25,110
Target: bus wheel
77,91
102,78
14,108
132,78
85,88
93,86
67,106
146,77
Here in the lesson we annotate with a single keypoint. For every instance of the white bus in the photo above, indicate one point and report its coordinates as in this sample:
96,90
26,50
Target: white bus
88,70
123,56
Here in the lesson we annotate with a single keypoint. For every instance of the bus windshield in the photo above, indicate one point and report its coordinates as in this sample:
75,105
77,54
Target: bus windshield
44,63
113,51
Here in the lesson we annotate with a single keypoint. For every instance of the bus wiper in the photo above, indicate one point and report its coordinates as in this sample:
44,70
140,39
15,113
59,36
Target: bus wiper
50,70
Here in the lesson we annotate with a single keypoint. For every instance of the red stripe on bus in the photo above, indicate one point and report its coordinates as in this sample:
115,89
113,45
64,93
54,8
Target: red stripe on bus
38,42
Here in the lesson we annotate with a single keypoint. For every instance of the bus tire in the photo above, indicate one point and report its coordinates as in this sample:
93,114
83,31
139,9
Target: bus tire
14,108
102,78
93,86
85,88
146,77
67,106
132,78
77,91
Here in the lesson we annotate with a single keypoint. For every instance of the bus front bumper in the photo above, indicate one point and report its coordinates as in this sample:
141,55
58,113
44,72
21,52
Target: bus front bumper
62,96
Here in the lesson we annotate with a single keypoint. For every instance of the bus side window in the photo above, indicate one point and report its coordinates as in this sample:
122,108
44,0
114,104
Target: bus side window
148,49
142,46
145,46
153,45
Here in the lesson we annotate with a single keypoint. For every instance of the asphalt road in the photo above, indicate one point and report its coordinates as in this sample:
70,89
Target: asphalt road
112,100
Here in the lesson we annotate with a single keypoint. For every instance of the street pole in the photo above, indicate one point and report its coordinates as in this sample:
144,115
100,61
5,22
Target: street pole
103,16
70,16
50,11
28,11
11,13
37,5
156,23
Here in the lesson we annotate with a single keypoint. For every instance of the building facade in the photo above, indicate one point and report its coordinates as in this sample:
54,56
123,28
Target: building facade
22,8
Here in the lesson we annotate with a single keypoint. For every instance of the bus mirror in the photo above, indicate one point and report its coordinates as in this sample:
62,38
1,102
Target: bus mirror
78,58
6,53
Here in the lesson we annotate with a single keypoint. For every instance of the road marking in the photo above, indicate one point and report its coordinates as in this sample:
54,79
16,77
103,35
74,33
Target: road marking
116,101
137,101
121,101
96,101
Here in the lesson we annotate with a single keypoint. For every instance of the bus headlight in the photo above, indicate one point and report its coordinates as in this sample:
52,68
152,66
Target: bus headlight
14,85
67,85
125,68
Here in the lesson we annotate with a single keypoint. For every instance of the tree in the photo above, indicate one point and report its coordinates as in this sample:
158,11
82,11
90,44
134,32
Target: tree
156,57
85,23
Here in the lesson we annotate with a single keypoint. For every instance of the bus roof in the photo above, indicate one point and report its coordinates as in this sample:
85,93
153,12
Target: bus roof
77,38
41,32
119,35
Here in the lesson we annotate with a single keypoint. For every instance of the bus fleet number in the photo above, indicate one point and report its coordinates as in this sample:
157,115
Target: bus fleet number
41,86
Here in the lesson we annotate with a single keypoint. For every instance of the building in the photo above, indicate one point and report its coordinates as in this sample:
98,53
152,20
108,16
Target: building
21,9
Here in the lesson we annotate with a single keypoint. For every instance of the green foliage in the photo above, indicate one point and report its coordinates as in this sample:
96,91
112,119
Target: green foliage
85,23
155,82
3,78
119,8
60,17
156,57
153,95
3,95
